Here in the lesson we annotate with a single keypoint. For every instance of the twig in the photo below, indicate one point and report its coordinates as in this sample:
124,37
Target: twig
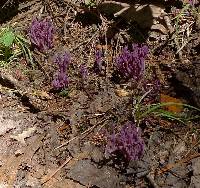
85,133
183,45
171,30
194,146
6,3
23,6
55,172
172,165
39,146
86,42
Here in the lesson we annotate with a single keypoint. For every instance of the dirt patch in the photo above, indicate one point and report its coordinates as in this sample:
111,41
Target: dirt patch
57,136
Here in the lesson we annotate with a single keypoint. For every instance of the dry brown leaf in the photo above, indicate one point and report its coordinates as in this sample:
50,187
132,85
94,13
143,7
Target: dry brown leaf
122,92
156,10
103,47
144,15
41,94
172,108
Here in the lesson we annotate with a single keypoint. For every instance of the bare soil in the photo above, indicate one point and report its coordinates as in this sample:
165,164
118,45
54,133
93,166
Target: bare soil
51,140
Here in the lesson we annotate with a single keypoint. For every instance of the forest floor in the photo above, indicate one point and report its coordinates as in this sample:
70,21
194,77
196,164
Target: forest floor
53,138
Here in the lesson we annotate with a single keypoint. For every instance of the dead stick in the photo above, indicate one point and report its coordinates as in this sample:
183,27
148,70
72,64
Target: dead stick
172,165
86,42
54,173
85,133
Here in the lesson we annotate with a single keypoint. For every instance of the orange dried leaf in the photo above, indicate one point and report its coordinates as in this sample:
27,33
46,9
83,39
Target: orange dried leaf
172,108
122,93
103,47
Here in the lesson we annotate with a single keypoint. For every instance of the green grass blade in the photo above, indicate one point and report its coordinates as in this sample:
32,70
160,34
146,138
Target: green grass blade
154,107
25,49
170,116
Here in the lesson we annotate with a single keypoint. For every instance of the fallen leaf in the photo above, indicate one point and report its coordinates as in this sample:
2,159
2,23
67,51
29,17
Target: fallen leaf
165,123
41,94
21,137
172,108
65,127
103,47
143,14
122,92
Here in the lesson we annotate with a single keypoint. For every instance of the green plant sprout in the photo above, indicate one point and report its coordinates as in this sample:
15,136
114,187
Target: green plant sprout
64,93
140,111
187,8
13,45
90,3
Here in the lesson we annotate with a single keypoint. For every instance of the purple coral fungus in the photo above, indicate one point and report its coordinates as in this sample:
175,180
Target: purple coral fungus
127,142
61,80
41,34
130,63
83,71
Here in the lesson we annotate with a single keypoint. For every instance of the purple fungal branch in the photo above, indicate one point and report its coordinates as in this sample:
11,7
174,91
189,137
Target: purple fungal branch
83,71
41,34
130,63
193,2
127,142
61,79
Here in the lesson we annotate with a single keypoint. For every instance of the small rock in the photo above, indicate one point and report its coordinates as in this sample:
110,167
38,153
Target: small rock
174,181
88,174
186,81
18,152
139,168
74,147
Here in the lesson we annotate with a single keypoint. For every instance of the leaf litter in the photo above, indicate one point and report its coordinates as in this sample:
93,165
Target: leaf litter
94,103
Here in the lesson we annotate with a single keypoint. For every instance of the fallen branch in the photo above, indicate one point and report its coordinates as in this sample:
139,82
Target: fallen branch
85,133
58,169
173,165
